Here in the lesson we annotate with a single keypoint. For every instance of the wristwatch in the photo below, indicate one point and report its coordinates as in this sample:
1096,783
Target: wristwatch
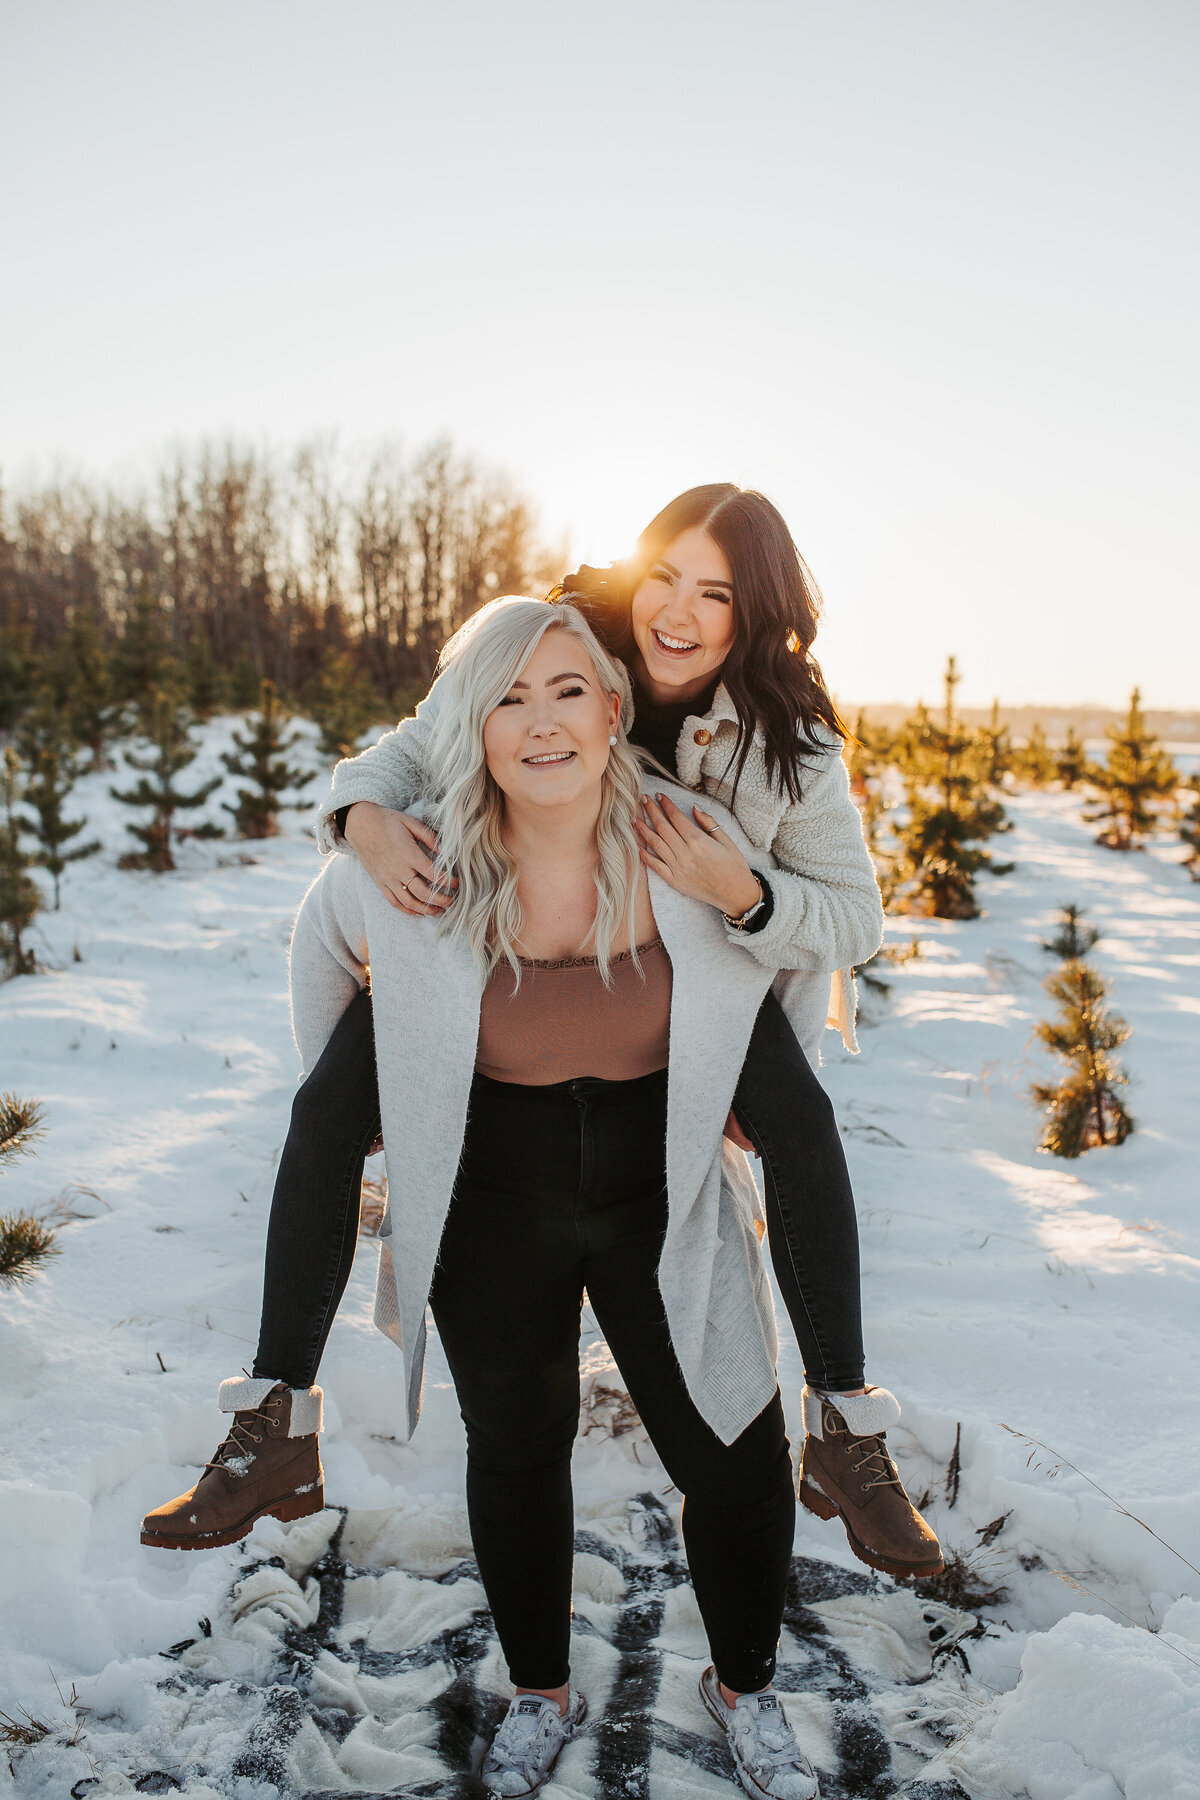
752,912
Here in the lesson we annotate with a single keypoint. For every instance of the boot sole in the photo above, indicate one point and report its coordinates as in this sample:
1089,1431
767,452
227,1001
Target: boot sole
297,1506
825,1508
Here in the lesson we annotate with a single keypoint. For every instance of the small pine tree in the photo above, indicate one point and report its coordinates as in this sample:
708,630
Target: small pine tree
1137,772
343,702
1085,1111
53,772
1073,938
868,755
1071,759
997,747
25,1242
243,684
16,669
1034,762
263,749
20,897
20,1127
950,813
172,751
206,683
74,674
1189,828
143,662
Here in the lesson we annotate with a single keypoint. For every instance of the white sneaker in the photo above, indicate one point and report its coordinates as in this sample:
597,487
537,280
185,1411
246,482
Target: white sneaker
526,1747
770,1763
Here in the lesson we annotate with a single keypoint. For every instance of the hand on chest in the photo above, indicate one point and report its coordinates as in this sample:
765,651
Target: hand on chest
757,812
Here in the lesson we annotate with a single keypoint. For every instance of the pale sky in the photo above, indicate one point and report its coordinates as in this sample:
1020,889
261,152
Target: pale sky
923,270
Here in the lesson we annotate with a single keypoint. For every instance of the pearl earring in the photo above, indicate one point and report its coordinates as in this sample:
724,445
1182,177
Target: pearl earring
613,738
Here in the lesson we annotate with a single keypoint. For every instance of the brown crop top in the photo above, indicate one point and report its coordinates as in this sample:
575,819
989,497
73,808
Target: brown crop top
562,1022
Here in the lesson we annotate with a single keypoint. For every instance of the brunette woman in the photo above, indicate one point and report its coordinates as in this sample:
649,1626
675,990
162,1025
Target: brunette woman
714,615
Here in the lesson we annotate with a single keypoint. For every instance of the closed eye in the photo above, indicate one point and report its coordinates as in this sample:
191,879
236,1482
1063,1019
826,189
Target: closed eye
716,594
571,693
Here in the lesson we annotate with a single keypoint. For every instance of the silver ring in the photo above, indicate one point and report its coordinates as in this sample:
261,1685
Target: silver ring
404,885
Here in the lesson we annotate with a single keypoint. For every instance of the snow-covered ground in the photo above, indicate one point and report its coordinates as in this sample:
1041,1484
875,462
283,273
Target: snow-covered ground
1003,1288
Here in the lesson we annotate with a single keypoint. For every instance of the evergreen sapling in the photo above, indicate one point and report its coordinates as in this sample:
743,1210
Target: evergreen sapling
172,750
261,760
997,744
1085,1112
74,674
1137,772
206,684
143,663
1035,762
25,1242
868,755
242,683
20,1127
343,702
53,772
16,669
20,896
1072,938
93,713
1071,759
1189,829
949,813
871,756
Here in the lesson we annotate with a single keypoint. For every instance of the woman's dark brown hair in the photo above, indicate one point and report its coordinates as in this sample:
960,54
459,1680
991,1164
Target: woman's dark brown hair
772,679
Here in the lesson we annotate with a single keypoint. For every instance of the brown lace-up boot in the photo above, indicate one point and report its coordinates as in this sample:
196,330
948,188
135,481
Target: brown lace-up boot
846,1471
268,1464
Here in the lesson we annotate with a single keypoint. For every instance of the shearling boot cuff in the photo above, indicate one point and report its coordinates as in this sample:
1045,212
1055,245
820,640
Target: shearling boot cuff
865,1414
243,1393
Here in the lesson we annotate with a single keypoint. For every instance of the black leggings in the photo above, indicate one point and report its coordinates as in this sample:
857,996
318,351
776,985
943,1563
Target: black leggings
784,1111
562,1188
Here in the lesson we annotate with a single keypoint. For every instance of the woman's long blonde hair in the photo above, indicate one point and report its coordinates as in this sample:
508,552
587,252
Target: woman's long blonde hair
477,668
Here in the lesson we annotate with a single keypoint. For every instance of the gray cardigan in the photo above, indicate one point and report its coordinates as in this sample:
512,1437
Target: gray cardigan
426,1001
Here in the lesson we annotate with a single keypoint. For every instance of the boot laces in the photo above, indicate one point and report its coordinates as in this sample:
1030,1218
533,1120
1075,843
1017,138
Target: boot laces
876,1459
239,1438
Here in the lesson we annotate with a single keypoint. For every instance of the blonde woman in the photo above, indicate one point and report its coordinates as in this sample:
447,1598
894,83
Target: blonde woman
713,616
557,1054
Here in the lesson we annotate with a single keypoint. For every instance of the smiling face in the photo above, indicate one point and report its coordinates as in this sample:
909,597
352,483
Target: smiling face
683,621
547,742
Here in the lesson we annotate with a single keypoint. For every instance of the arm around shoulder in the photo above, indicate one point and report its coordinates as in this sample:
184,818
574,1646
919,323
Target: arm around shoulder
391,773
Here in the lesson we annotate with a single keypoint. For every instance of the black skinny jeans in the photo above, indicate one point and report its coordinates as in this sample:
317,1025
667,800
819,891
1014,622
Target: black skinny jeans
562,1188
783,1108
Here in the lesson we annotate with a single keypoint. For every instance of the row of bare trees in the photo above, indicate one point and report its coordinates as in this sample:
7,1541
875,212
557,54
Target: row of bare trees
276,561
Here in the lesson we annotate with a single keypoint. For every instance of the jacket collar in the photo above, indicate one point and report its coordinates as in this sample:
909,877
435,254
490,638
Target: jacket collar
722,708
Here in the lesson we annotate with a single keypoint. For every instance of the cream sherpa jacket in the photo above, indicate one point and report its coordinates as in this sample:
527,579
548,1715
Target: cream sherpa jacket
828,915
426,999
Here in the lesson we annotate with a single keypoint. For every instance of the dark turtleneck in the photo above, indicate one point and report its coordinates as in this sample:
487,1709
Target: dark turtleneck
656,726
